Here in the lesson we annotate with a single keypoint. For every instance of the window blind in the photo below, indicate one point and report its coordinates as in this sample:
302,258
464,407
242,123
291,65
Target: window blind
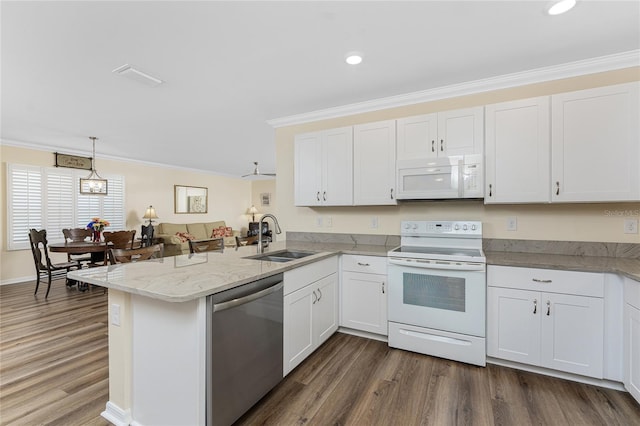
46,197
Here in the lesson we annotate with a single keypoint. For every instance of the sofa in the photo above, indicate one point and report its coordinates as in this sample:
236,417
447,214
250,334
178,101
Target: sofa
175,236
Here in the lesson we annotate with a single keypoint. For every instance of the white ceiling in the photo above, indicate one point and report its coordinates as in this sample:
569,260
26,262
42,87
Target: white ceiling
229,66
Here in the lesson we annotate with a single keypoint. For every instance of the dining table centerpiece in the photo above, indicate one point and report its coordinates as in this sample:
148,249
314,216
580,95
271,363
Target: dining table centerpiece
97,225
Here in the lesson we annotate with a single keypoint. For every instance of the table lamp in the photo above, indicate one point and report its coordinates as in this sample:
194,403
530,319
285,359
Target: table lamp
252,212
150,214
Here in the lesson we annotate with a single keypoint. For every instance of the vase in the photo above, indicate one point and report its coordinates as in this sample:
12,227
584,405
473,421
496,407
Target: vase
96,236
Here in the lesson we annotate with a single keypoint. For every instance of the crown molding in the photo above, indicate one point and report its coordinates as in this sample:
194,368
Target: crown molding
37,147
538,75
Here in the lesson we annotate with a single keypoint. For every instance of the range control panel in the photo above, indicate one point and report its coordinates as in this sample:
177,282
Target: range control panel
458,228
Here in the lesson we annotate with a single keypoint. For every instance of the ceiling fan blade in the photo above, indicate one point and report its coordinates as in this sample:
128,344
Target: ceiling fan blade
256,172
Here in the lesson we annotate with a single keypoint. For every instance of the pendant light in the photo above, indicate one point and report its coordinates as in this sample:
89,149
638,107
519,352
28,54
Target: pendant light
93,184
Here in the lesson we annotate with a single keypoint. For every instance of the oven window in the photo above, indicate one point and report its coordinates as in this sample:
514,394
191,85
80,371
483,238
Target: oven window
432,291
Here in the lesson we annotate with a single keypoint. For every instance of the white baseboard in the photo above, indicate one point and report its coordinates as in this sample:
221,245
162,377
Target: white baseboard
609,384
18,280
116,415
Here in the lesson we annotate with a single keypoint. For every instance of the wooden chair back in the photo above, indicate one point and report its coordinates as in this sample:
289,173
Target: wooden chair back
154,251
209,244
120,239
76,234
42,261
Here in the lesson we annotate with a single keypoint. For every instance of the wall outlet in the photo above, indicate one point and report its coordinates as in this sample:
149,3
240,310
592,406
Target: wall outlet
115,314
328,222
631,226
319,221
374,222
512,224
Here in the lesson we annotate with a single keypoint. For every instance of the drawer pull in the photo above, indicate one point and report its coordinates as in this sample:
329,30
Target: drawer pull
363,264
542,281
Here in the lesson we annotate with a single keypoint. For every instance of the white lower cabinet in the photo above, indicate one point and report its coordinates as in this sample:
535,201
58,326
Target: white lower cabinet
363,294
631,338
558,328
310,310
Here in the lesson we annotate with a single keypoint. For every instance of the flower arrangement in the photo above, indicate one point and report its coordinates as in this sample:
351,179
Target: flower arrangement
97,224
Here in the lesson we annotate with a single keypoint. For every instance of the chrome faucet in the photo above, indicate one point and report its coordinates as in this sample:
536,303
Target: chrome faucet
278,230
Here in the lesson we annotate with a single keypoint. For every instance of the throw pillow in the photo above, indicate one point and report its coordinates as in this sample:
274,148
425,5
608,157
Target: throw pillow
185,236
222,232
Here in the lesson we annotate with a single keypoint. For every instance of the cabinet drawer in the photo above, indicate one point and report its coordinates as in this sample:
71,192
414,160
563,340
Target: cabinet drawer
366,264
297,278
632,292
548,280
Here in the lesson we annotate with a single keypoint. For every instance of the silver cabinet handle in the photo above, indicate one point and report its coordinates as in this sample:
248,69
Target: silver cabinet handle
363,264
548,307
535,306
490,190
318,196
433,146
324,196
320,293
382,287
557,188
315,298
541,281
441,145
392,193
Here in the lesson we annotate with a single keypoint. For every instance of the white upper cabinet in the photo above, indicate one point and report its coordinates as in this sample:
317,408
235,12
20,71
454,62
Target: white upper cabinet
324,168
374,163
595,144
443,134
517,149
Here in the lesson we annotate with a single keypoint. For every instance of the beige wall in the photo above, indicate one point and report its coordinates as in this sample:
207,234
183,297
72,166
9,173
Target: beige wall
576,222
229,199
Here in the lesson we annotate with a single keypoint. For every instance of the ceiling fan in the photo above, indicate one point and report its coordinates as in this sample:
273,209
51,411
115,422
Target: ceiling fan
256,172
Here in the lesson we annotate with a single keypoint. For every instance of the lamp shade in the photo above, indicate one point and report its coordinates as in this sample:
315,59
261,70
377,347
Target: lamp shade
150,213
253,210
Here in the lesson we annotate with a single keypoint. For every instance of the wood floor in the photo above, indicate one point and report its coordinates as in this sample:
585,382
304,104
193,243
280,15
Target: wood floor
54,371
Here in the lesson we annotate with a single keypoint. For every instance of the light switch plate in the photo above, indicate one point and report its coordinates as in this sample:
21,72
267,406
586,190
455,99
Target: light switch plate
631,226
115,314
512,224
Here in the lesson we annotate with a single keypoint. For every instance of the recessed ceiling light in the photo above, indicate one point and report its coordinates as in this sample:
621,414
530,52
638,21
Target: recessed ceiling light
353,58
561,7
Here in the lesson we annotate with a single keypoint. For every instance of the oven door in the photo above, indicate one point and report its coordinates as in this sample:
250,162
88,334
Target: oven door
447,296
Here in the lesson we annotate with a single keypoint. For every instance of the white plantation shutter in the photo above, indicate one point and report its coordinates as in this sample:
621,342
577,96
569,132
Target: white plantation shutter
45,197
24,196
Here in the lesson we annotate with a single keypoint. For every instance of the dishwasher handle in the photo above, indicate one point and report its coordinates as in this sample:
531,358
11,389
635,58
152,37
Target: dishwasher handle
217,307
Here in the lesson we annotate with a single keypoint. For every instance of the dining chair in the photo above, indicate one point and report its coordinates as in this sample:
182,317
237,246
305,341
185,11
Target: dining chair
44,266
209,244
77,235
154,251
120,239
146,236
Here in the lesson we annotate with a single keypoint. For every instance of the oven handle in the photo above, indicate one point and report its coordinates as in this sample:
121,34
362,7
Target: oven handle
444,266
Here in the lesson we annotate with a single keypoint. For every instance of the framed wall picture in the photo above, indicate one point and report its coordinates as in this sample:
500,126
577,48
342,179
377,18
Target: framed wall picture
265,199
190,199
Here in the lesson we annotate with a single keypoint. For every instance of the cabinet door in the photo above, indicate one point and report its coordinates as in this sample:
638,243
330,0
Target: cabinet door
374,163
518,151
573,334
595,154
460,132
325,308
417,137
513,325
298,327
631,343
308,169
337,169
364,302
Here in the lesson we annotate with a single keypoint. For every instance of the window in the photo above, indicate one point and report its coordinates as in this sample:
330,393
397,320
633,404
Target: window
46,197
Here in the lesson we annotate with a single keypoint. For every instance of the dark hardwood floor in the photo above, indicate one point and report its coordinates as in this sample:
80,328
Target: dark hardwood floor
54,371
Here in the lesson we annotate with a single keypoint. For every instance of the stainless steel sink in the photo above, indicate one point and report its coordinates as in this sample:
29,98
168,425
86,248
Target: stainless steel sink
281,256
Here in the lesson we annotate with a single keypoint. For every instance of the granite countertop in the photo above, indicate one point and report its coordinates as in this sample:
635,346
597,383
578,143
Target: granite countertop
629,267
188,277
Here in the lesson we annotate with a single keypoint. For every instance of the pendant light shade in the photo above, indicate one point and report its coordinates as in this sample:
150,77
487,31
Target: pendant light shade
93,184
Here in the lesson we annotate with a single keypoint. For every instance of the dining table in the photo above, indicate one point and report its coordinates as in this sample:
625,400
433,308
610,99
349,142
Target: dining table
98,250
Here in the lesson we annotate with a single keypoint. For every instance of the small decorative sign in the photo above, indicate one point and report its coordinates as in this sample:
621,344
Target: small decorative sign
265,198
72,161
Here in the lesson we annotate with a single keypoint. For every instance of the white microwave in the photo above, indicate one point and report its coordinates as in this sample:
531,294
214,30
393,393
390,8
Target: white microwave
459,176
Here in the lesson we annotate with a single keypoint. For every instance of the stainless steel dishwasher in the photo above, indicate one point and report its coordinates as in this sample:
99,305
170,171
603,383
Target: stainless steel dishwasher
244,347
